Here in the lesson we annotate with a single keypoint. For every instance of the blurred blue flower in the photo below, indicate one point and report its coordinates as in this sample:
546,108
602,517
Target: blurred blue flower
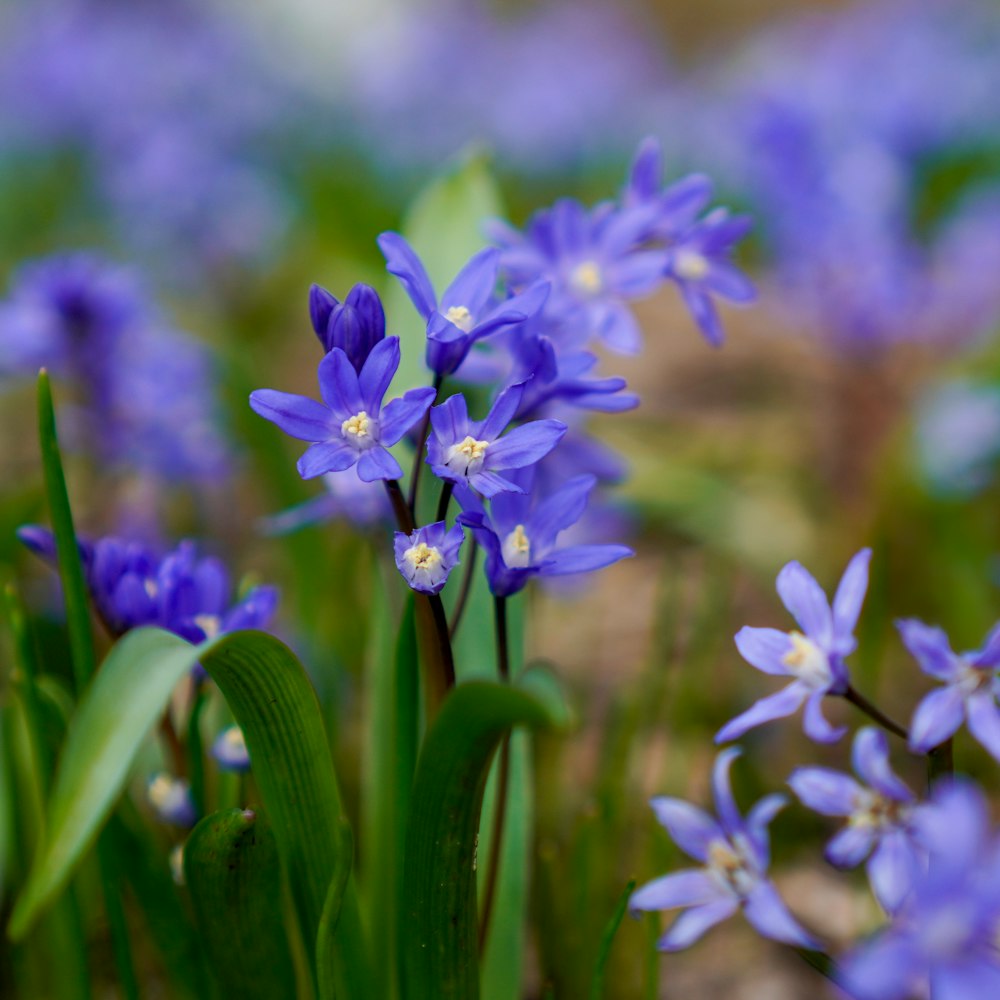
171,798
427,556
814,657
969,693
469,452
879,817
345,496
942,941
230,750
520,534
468,310
350,427
355,325
735,853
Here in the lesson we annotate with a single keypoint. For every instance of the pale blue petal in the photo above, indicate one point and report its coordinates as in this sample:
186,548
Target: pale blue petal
870,755
775,706
936,718
691,828
825,791
764,648
693,923
851,593
850,847
930,648
891,869
984,721
767,913
298,416
815,723
804,598
691,887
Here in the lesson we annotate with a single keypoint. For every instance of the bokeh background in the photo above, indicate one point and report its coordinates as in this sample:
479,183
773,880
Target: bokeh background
213,160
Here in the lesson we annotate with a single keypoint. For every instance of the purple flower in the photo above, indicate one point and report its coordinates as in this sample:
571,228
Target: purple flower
355,325
879,817
230,750
346,496
171,799
942,942
350,427
814,657
468,310
469,452
969,692
426,556
735,853
595,263
520,535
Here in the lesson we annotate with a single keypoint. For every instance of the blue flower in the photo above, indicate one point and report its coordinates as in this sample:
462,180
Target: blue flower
468,309
350,427
969,693
735,853
469,452
814,657
346,496
879,817
171,799
426,556
942,941
230,750
355,326
595,263
520,535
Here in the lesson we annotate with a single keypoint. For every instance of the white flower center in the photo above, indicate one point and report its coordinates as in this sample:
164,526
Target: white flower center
972,679
151,587
234,741
467,457
461,317
586,278
516,549
359,430
873,811
730,868
423,556
808,662
209,624
690,265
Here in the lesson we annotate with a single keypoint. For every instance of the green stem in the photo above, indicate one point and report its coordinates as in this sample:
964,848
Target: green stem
861,702
418,458
821,962
195,752
940,762
463,594
503,781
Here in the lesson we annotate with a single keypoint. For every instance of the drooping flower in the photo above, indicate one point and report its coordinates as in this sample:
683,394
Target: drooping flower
171,798
426,556
942,941
230,750
970,688
350,427
355,325
520,535
595,263
735,854
470,452
468,310
879,817
814,657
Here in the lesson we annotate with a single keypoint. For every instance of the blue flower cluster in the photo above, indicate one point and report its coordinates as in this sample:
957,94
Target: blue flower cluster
933,864
522,315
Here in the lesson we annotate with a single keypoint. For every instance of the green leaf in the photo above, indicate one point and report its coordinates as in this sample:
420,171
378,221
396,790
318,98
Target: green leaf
607,939
70,568
444,225
440,942
326,936
232,870
272,700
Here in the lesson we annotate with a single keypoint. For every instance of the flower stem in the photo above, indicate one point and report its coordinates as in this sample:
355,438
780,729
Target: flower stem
940,762
418,458
861,702
503,780
463,594
821,962
446,491
404,518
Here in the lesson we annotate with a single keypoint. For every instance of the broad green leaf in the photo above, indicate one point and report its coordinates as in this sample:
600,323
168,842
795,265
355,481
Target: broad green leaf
233,873
272,700
444,225
390,757
326,935
440,941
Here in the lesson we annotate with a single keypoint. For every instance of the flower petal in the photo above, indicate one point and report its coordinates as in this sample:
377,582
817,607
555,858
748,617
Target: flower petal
758,820
501,413
474,284
326,456
936,718
850,846
984,721
525,445
691,924
886,969
722,792
691,887
775,706
767,912
583,559
560,510
338,385
377,463
815,723
450,420
891,869
851,594
729,282
489,484
298,416
377,373
825,791
401,414
870,755
804,598
401,261
691,828
930,647
764,648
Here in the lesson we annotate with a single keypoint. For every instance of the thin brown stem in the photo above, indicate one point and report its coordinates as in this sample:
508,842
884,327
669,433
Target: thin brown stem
940,762
466,589
873,712
404,518
418,458
445,499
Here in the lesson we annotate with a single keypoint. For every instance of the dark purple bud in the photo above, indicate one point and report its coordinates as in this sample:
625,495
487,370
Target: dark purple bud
357,325
321,305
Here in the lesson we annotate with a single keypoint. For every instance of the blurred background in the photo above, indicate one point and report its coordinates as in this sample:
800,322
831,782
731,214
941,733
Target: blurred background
205,162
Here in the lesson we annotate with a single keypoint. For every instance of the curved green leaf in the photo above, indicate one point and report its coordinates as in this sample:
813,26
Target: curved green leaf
274,703
232,870
440,940
326,936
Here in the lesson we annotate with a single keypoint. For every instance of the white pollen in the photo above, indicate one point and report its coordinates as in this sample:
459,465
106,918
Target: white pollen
423,556
467,457
461,317
690,265
358,431
586,278
516,549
